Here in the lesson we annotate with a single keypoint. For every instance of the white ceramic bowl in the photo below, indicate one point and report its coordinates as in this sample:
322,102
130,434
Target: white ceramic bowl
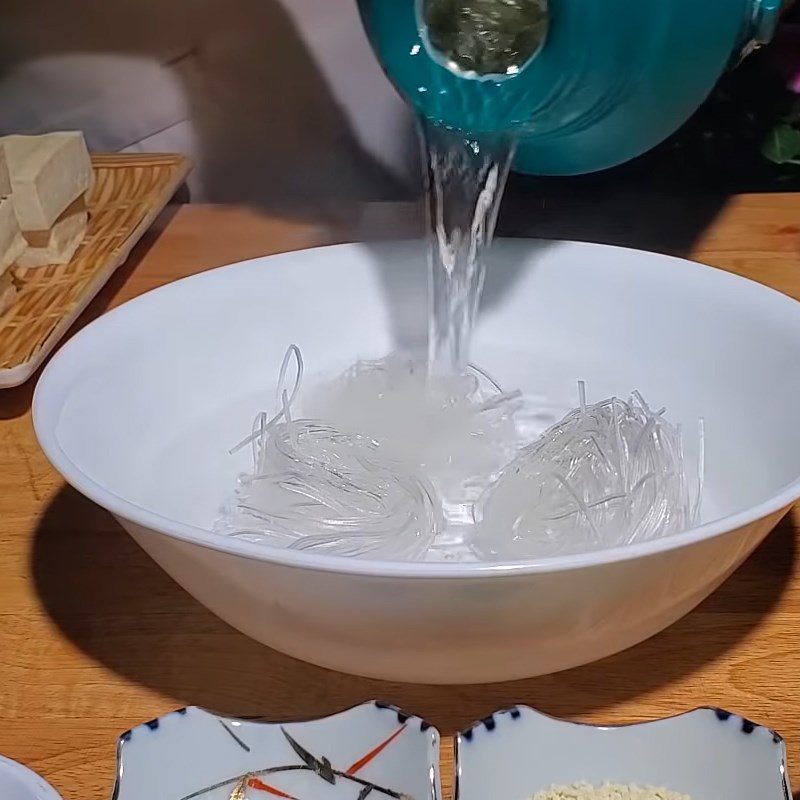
707,754
139,409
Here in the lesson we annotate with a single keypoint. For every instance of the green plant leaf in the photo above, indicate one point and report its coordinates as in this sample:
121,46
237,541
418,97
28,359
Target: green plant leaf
782,145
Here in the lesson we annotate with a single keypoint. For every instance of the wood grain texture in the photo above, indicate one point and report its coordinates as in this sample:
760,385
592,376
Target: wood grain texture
95,638
129,191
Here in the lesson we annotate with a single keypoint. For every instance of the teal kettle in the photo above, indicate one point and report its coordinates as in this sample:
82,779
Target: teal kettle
583,85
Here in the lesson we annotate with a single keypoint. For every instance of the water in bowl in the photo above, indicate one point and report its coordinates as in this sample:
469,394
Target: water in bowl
413,457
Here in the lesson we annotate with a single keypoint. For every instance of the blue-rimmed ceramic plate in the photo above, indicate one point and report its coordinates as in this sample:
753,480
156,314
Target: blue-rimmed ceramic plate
708,754
372,751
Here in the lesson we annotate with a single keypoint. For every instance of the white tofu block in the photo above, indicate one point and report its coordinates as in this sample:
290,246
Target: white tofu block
8,292
12,242
48,173
57,245
5,178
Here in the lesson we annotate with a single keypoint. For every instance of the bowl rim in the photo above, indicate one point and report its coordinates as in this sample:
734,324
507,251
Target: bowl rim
44,420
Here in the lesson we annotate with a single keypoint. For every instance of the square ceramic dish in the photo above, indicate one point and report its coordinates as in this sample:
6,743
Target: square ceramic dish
708,754
378,752
372,750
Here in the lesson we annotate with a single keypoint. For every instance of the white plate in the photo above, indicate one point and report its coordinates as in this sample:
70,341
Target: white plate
20,783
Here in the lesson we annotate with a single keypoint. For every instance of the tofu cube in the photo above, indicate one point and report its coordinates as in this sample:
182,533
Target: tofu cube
48,173
5,178
58,244
12,242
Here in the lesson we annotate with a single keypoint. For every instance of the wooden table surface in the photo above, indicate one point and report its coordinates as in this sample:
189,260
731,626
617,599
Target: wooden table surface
95,638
